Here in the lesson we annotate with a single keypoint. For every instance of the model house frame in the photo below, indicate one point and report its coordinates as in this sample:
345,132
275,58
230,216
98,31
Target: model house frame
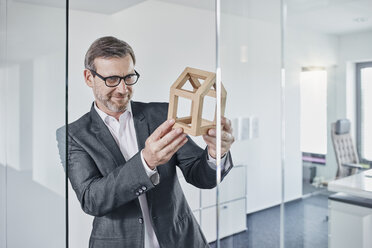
194,124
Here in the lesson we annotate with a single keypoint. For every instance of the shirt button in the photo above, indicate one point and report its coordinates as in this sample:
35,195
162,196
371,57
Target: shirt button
144,188
140,220
140,191
137,193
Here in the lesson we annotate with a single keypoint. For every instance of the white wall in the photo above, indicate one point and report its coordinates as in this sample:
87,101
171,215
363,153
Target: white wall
32,73
250,64
12,110
353,48
48,114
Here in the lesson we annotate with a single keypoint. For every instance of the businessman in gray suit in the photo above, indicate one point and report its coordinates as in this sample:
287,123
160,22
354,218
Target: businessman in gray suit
122,158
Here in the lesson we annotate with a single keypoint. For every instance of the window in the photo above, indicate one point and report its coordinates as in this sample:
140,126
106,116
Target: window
364,111
313,90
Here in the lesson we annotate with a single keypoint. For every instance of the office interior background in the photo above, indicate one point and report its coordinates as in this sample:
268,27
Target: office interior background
290,69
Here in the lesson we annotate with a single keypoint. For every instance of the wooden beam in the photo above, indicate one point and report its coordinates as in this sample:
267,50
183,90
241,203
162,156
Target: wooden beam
183,93
172,107
197,114
195,82
186,127
186,120
199,73
181,80
211,93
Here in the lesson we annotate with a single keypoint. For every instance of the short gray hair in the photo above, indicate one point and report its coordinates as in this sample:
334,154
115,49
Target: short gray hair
107,47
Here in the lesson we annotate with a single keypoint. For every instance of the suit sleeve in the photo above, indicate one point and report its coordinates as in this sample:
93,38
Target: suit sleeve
193,162
98,194
190,158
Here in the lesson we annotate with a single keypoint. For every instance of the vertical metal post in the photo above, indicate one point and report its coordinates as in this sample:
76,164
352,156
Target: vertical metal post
66,125
218,120
5,114
283,15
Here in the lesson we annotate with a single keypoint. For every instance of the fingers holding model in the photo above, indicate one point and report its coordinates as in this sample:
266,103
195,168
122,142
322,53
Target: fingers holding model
163,143
227,138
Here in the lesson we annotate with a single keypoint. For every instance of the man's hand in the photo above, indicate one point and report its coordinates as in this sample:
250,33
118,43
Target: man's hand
226,138
163,143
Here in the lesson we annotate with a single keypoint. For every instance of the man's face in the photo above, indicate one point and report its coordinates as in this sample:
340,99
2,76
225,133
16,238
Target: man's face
111,100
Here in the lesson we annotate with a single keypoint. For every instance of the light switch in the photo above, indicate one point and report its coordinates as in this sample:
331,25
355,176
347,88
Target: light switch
235,127
244,127
254,127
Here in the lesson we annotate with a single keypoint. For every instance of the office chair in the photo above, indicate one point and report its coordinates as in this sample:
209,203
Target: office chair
346,154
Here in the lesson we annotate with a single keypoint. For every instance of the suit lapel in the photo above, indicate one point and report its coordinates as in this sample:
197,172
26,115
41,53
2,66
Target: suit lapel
142,133
104,136
140,125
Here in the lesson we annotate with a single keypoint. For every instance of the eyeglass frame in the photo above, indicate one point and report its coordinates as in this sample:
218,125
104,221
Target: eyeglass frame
121,78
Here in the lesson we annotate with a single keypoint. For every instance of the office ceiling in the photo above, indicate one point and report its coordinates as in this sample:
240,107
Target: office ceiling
98,6
325,16
331,16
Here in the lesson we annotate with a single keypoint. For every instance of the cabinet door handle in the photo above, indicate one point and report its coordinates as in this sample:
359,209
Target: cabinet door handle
225,207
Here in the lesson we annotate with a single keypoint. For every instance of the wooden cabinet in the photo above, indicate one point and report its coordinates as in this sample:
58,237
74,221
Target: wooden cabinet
232,188
232,204
232,219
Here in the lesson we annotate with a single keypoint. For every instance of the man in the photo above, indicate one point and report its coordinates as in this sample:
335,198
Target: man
122,159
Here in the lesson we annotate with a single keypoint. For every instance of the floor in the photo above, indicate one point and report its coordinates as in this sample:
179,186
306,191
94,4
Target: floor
305,225
308,188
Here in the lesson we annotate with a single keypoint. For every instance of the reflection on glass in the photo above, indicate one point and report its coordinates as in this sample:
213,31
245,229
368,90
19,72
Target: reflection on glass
3,199
313,93
31,110
163,49
250,67
366,89
332,36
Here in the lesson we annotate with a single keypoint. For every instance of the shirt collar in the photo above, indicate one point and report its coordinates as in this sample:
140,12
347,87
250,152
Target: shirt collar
105,116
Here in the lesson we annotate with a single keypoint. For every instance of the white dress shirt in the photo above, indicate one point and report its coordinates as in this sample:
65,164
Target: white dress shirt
125,136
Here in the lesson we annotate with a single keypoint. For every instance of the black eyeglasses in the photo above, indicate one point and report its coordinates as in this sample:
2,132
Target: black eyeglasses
113,81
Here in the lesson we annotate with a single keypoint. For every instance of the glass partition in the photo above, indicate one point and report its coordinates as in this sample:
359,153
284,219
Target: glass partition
250,196
2,124
324,42
166,36
32,71
292,70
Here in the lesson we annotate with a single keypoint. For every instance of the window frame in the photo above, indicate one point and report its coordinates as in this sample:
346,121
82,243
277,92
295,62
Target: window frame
359,67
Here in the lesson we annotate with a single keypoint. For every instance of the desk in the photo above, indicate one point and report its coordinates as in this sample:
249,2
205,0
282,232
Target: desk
357,185
350,211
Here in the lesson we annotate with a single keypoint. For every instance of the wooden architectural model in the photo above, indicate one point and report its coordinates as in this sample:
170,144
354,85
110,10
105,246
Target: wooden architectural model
194,124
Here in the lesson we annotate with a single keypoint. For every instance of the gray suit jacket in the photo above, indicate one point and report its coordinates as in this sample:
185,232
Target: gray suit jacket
106,184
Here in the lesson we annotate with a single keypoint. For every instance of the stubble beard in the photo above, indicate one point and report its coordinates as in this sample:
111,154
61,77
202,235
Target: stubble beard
113,106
